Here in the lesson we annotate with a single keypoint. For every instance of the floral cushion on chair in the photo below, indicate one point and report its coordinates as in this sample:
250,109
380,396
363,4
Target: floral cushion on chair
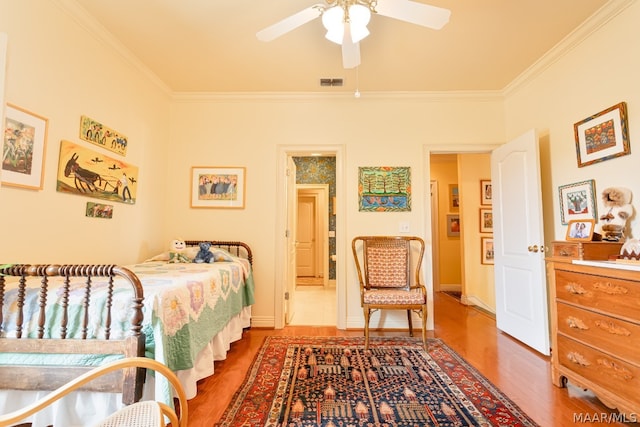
391,296
387,267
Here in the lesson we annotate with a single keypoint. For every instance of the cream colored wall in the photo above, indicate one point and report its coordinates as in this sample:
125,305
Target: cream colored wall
59,70
596,74
479,286
444,169
374,131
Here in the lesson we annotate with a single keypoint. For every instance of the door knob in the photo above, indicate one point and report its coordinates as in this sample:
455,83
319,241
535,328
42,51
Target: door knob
533,248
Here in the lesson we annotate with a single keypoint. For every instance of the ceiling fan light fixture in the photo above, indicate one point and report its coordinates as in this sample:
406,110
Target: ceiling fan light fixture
335,20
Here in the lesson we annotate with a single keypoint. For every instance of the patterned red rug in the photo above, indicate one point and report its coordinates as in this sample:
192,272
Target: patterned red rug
333,381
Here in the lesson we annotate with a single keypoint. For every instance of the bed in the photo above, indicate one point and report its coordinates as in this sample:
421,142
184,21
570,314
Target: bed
185,315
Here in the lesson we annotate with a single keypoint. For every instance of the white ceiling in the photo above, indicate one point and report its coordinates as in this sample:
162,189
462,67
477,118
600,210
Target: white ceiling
210,45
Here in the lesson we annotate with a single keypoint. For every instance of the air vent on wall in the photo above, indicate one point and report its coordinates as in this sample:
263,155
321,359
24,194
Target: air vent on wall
330,82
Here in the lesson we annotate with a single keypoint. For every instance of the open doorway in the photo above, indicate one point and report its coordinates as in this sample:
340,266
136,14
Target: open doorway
312,237
318,180
456,175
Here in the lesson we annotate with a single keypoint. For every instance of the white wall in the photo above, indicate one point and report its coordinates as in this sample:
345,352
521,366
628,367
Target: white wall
596,74
374,130
61,70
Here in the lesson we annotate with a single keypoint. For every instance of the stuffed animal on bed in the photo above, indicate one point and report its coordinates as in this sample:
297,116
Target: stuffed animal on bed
176,252
618,208
204,255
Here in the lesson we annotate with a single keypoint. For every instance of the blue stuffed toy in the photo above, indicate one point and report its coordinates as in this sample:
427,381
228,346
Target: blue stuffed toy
204,255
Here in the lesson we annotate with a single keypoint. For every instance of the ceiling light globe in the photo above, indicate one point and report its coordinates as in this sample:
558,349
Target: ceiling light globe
359,17
333,21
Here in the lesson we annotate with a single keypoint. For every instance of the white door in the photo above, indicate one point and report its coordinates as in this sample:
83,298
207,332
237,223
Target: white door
520,281
306,244
292,217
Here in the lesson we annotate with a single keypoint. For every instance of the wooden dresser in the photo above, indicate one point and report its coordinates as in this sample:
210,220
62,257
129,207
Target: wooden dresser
595,320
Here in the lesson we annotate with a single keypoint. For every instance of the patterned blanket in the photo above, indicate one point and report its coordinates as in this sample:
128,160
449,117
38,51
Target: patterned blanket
185,306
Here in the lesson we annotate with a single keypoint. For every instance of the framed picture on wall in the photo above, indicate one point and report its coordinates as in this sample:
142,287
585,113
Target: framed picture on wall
217,187
577,201
486,198
487,251
24,147
486,220
454,197
453,225
603,136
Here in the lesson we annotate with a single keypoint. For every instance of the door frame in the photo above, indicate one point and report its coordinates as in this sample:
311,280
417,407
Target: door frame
441,149
322,224
283,153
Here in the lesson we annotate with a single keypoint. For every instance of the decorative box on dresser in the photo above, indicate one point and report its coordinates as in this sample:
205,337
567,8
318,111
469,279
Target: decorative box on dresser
595,321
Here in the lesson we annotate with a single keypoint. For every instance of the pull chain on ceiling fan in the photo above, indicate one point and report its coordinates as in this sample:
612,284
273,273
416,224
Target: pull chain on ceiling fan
346,21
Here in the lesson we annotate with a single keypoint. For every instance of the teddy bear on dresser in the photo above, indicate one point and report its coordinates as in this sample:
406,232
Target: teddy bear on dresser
618,210
204,255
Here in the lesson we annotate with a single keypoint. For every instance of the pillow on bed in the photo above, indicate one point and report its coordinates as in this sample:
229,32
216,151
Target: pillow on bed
220,255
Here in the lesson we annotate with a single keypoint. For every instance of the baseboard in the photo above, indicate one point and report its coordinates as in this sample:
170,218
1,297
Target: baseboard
450,287
479,304
263,322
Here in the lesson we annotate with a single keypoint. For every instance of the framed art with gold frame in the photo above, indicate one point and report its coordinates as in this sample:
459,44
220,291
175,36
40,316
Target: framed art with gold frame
603,136
580,229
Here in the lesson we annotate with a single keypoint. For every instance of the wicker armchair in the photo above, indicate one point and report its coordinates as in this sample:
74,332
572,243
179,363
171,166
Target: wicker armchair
146,413
389,275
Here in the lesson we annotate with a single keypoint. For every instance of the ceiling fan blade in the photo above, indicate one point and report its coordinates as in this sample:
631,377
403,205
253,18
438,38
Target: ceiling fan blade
290,23
415,13
350,50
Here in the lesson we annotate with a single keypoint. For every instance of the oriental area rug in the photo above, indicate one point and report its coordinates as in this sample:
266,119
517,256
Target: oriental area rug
335,382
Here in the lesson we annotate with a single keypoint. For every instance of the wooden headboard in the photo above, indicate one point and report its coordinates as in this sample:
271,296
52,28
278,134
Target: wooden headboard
14,336
239,249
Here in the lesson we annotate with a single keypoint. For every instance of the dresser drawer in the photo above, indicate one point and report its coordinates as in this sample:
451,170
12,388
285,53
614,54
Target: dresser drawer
606,333
621,298
608,372
585,250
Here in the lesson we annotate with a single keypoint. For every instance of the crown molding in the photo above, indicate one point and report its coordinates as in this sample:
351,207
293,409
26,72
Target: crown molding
475,96
600,18
86,21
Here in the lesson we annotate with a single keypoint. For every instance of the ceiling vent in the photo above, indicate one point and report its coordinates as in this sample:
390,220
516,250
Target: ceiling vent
330,82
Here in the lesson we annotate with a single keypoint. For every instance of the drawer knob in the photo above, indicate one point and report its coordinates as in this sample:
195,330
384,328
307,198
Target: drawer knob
577,358
615,370
576,289
613,328
576,323
564,253
610,289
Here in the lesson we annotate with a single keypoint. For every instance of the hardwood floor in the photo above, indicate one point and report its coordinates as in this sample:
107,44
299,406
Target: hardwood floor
522,374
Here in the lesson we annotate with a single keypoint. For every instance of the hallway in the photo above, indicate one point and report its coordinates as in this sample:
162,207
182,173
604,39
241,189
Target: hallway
314,306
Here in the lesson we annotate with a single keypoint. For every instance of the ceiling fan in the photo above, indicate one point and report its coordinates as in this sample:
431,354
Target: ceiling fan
346,21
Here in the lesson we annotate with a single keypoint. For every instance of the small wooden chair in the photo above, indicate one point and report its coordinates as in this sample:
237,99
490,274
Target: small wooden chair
389,278
146,413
